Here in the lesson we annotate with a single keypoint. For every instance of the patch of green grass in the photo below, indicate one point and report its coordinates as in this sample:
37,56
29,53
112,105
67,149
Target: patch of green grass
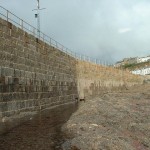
135,65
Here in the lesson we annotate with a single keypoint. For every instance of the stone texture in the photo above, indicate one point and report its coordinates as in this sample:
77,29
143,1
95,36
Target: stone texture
33,75
95,79
36,76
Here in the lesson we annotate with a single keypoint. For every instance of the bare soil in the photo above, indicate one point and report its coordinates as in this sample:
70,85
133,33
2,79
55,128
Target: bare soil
112,121
40,133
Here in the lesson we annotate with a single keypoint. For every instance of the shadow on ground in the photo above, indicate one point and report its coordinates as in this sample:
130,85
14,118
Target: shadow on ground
41,133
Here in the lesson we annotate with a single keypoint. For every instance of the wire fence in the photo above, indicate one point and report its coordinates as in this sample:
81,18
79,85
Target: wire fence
18,22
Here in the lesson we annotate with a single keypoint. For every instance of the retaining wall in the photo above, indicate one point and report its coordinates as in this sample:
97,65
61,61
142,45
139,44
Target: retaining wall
95,79
35,76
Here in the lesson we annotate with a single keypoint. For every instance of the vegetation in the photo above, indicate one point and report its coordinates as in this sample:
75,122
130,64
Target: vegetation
135,65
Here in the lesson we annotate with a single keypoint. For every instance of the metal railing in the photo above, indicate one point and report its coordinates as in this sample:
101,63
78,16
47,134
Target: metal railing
18,22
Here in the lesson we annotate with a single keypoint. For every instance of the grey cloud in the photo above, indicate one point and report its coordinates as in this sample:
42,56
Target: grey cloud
103,29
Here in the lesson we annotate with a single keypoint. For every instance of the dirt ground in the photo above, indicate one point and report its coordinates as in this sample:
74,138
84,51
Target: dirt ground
112,121
40,133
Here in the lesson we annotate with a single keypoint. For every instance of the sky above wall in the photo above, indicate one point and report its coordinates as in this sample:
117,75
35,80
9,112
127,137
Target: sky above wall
109,30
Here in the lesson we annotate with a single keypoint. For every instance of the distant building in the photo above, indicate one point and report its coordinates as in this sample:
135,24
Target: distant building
131,60
126,61
143,71
119,63
143,59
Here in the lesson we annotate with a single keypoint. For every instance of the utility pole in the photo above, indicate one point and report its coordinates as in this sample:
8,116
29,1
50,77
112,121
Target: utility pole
38,18
37,15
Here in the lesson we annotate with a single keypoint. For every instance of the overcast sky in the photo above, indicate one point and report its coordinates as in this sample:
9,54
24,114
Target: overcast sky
104,29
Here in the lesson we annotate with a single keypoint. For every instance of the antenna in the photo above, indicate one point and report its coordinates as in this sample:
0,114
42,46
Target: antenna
37,15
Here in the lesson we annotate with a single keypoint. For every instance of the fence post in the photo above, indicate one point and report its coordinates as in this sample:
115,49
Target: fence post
7,15
30,29
43,37
66,51
75,55
62,48
56,44
50,41
33,31
21,23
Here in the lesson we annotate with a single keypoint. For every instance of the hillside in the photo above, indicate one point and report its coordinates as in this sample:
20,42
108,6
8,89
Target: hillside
135,66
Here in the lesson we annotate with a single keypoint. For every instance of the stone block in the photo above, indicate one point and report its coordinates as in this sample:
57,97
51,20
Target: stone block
15,80
17,73
10,80
3,106
5,71
5,97
2,80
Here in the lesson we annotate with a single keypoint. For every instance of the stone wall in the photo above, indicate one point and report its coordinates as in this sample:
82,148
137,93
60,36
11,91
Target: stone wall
95,79
33,75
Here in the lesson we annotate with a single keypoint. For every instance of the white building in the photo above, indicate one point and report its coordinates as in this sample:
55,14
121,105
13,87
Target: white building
143,71
143,59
